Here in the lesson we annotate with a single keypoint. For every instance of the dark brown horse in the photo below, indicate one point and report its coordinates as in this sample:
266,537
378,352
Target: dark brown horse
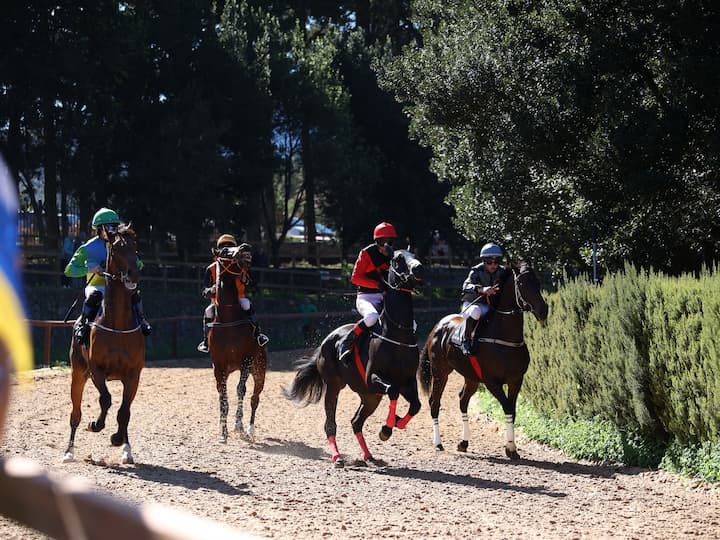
116,348
501,358
385,363
233,346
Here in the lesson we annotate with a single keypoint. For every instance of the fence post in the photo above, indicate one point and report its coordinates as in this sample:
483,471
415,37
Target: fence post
46,352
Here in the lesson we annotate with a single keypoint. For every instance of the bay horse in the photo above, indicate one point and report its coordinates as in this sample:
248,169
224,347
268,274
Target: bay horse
116,349
233,346
384,362
501,358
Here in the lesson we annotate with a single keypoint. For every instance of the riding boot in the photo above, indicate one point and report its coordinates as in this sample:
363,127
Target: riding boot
203,346
261,338
346,344
137,305
467,342
89,312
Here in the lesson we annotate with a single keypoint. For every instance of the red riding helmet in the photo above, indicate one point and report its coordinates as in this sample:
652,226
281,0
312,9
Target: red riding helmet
384,230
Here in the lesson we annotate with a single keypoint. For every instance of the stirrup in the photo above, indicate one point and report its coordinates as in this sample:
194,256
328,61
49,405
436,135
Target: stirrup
262,340
203,347
145,328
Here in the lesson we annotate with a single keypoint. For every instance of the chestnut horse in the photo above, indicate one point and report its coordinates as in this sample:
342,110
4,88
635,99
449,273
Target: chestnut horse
116,348
233,346
384,363
501,358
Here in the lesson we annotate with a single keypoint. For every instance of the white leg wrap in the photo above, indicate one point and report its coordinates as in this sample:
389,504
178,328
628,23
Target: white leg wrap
510,433
126,456
465,428
436,432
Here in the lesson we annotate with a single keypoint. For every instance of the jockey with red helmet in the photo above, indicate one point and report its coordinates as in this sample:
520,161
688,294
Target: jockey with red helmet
370,276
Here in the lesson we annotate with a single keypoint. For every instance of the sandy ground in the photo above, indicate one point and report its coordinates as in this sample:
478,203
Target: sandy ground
284,486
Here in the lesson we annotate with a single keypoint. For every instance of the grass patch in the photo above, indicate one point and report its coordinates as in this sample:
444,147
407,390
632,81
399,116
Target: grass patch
698,460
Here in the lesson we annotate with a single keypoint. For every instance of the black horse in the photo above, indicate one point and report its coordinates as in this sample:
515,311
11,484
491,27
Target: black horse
501,358
384,363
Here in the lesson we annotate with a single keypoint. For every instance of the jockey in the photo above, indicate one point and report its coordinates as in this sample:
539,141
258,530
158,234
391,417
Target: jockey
370,276
89,260
242,280
478,287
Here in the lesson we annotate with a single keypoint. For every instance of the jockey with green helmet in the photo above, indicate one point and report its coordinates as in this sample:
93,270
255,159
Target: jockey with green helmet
89,261
478,287
370,276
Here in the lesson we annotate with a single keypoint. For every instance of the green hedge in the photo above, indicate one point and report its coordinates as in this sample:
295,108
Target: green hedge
639,351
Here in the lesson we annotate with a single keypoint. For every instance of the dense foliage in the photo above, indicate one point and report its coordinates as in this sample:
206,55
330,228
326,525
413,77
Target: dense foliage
560,122
636,352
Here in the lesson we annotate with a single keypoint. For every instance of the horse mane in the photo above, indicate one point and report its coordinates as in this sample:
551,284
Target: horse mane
128,230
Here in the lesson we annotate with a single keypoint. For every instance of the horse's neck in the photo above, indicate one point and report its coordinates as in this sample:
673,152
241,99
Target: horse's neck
117,307
507,323
228,306
399,313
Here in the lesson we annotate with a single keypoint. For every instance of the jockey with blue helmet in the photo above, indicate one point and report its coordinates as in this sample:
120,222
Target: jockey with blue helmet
481,283
89,261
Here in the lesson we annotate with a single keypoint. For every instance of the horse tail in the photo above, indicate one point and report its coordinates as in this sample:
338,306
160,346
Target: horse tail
308,385
424,368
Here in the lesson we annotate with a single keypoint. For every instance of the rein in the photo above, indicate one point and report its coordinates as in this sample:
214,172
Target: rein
114,330
409,345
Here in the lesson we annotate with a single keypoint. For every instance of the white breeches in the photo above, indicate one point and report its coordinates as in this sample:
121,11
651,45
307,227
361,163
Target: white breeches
92,288
367,305
475,310
210,310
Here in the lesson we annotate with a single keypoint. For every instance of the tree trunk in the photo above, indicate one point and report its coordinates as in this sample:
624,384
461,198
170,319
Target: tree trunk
51,182
309,185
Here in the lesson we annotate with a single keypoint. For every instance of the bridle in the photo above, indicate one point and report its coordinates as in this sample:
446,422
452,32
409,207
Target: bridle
401,278
122,275
522,304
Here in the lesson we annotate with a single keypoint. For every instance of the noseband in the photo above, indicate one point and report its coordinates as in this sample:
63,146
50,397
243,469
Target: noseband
121,276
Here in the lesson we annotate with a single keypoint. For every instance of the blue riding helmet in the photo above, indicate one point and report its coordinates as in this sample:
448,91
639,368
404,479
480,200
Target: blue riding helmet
491,250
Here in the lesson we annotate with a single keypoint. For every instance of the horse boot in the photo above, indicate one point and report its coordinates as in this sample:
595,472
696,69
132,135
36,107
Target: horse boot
346,344
467,341
203,346
90,310
145,327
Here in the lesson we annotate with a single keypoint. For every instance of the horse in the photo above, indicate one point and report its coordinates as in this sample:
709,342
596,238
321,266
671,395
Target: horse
116,349
233,346
501,358
384,363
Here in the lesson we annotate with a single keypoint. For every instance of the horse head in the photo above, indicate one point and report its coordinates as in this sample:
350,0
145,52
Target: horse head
122,257
405,272
528,293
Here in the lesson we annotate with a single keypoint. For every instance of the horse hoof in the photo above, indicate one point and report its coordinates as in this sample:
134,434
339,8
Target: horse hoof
339,463
126,458
439,448
385,433
512,454
68,457
95,427
223,440
462,446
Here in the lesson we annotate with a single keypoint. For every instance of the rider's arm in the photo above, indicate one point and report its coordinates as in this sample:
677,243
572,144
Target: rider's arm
77,267
471,282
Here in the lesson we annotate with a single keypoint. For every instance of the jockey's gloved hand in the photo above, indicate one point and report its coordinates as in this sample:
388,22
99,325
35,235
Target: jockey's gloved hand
389,249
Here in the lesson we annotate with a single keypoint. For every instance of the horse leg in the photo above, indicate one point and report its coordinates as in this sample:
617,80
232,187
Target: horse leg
98,379
508,406
258,374
438,386
378,386
331,399
466,393
241,389
130,386
411,395
77,386
368,404
221,383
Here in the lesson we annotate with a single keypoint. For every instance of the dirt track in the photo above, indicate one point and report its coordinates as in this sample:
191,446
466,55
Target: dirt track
283,486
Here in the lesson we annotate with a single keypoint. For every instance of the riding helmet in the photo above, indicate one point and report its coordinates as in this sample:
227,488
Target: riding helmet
226,240
384,230
105,216
491,250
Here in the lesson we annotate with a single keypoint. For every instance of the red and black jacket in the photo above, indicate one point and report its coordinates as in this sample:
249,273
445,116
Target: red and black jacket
370,270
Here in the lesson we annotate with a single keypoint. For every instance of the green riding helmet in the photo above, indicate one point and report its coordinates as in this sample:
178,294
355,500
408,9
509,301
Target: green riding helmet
105,216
